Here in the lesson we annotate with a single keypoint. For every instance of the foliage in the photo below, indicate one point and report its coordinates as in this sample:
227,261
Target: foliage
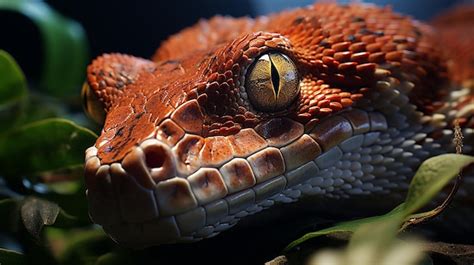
39,141
44,145
64,46
13,91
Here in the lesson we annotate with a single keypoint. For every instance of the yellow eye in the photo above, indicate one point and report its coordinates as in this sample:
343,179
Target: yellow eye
93,107
272,82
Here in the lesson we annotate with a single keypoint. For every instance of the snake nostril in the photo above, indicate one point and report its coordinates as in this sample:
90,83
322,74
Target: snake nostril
158,159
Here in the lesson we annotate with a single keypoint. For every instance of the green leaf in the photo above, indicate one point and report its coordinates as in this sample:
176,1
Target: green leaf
431,177
64,43
350,226
13,91
43,146
11,257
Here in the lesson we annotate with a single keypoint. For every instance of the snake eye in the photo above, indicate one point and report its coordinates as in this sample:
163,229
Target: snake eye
272,82
93,107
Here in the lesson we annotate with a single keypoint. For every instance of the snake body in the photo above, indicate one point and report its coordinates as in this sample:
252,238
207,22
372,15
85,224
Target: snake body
185,154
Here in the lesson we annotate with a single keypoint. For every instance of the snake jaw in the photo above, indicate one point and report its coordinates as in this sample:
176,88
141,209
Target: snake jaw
181,190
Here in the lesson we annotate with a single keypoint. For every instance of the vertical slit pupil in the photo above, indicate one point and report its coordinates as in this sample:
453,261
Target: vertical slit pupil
275,78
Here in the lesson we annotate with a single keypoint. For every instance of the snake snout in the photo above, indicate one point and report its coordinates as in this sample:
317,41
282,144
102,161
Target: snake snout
147,164
150,163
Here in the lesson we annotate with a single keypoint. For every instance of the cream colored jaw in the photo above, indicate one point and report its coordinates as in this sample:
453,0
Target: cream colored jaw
192,196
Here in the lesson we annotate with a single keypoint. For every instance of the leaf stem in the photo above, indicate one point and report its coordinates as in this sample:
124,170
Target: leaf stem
419,218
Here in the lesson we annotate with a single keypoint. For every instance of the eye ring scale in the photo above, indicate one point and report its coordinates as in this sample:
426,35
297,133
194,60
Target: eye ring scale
272,82
91,104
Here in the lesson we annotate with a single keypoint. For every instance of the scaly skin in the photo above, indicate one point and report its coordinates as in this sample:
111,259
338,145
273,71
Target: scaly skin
184,154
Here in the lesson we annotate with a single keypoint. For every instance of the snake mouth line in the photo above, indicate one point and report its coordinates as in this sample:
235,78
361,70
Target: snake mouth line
178,191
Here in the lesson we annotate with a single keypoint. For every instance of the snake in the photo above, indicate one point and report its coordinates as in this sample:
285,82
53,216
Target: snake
233,117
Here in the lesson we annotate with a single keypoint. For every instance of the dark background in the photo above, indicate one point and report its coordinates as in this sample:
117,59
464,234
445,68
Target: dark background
138,27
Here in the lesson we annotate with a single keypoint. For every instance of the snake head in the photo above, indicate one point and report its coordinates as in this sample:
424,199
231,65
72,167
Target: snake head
193,141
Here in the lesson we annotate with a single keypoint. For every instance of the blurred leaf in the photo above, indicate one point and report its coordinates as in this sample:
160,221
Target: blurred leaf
81,246
69,195
43,146
74,206
378,233
431,177
36,213
10,257
65,220
64,42
65,187
41,107
376,243
408,252
13,91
